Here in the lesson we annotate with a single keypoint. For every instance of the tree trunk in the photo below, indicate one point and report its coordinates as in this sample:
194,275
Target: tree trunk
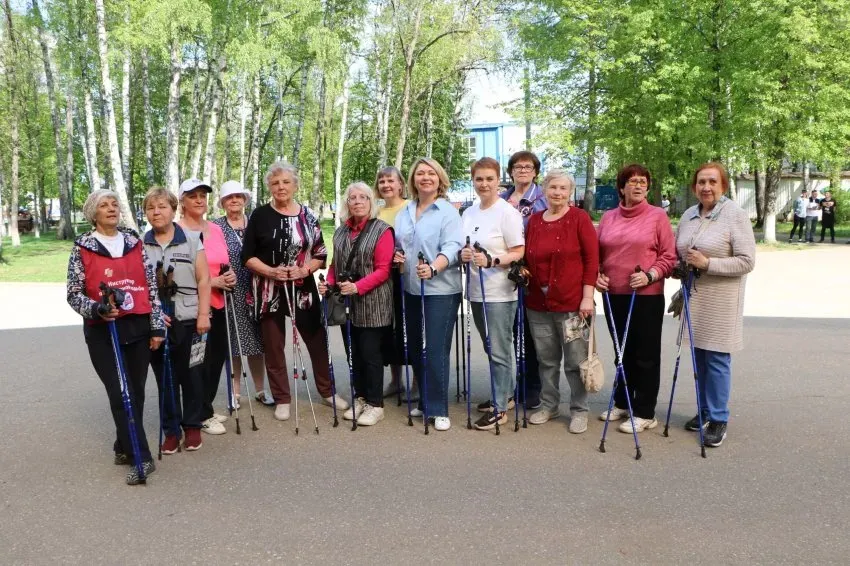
172,129
114,155
526,89
302,111
589,199
316,194
67,211
346,90
146,101
733,185
242,119
200,137
409,62
807,175
14,135
225,165
280,92
760,194
91,138
212,127
256,116
429,122
771,190
196,108
384,129
65,231
125,108
455,122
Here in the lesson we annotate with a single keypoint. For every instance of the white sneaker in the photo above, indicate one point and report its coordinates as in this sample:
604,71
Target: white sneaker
341,404
220,418
640,425
578,423
415,412
616,414
281,412
442,423
541,417
212,426
355,411
370,415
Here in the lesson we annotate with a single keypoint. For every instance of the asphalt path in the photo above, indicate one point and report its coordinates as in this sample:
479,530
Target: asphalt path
775,492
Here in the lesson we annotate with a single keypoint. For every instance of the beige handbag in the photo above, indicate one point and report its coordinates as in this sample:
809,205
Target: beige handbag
591,369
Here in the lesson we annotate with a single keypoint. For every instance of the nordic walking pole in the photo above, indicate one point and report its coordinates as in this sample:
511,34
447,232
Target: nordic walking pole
350,363
686,311
328,347
478,248
169,289
467,384
458,346
110,300
231,401
620,372
401,289
404,342
521,337
298,355
424,347
243,359
678,359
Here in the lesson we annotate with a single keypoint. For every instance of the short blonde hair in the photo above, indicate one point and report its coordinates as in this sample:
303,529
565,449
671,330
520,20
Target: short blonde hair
391,171
442,188
553,174
93,201
155,193
345,213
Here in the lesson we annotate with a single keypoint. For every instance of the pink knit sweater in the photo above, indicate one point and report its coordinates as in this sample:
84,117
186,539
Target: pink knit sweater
640,235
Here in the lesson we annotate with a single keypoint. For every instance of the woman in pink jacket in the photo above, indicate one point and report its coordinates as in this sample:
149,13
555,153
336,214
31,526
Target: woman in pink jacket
636,234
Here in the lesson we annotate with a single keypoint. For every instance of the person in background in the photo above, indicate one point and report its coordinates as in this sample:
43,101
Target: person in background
812,216
800,204
827,205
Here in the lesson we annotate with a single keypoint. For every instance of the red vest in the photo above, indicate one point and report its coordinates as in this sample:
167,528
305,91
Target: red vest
126,273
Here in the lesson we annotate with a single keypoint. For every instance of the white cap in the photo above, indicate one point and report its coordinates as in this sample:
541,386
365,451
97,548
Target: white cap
190,185
233,188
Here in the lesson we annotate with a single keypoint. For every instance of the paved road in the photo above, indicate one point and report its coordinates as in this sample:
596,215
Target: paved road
775,492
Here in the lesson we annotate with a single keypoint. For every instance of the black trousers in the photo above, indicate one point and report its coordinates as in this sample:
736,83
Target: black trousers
175,414
368,357
823,227
799,221
642,355
214,356
136,357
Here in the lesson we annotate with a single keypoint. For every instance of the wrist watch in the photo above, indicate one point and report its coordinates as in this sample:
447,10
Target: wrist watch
433,271
649,277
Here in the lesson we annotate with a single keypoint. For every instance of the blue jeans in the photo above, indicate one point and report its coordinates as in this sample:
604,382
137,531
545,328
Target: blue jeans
811,227
500,323
440,319
715,382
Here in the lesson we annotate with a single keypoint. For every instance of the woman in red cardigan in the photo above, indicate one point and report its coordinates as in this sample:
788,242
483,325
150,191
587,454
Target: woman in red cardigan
562,254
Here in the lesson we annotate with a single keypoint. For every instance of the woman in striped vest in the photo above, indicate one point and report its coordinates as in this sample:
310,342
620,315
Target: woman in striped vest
363,253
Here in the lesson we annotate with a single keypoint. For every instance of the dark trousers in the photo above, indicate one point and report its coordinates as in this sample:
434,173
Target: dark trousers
799,221
642,355
273,330
528,383
823,227
175,414
368,361
214,356
136,357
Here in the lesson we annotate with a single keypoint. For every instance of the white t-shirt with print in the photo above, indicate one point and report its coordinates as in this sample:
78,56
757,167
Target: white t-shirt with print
497,229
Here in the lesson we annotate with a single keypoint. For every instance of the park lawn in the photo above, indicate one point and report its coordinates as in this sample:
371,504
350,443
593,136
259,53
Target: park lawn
37,260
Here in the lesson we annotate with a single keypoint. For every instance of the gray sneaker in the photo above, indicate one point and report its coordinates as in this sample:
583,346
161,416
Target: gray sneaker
544,416
578,423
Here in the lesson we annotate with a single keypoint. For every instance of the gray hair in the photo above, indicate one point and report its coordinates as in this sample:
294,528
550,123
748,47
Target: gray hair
558,173
345,213
279,167
93,201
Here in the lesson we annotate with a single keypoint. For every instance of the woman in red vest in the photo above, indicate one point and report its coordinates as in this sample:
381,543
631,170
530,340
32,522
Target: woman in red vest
115,256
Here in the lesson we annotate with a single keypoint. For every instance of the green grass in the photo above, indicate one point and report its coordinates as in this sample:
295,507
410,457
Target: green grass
36,260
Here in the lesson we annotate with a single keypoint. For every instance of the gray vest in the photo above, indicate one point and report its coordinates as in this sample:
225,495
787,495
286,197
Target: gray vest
375,308
181,253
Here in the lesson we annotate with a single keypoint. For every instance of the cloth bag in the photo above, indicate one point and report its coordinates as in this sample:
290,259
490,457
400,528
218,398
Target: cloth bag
592,371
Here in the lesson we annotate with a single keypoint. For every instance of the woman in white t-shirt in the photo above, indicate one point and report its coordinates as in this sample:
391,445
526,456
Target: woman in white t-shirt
497,227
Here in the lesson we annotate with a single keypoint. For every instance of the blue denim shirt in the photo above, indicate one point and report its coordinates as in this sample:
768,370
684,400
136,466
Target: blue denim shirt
437,232
532,202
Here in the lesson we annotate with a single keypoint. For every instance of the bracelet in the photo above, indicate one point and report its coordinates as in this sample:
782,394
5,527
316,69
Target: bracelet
433,271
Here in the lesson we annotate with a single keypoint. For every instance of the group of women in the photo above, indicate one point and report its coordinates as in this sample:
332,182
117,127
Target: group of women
399,269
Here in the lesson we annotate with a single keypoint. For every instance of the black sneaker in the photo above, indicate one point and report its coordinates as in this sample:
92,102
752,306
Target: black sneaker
487,406
488,421
693,424
715,433
121,459
133,475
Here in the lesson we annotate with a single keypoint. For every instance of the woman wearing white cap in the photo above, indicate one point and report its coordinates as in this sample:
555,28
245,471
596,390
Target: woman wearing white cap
233,200
193,201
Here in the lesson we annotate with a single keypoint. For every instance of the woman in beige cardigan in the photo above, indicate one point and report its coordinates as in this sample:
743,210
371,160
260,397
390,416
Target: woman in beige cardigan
716,237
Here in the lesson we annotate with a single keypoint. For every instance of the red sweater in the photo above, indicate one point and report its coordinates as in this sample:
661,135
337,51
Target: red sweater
640,235
562,255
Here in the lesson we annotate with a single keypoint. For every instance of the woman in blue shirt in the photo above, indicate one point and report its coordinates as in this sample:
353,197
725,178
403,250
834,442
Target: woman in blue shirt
431,225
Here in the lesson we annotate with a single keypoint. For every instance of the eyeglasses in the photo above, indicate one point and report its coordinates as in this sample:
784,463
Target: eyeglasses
639,182
358,198
521,168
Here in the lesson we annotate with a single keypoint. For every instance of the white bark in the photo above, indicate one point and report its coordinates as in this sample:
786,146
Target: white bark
200,129
429,123
302,110
172,130
109,109
256,116
243,112
409,62
316,194
125,108
14,135
146,100
346,89
68,209
91,139
212,125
